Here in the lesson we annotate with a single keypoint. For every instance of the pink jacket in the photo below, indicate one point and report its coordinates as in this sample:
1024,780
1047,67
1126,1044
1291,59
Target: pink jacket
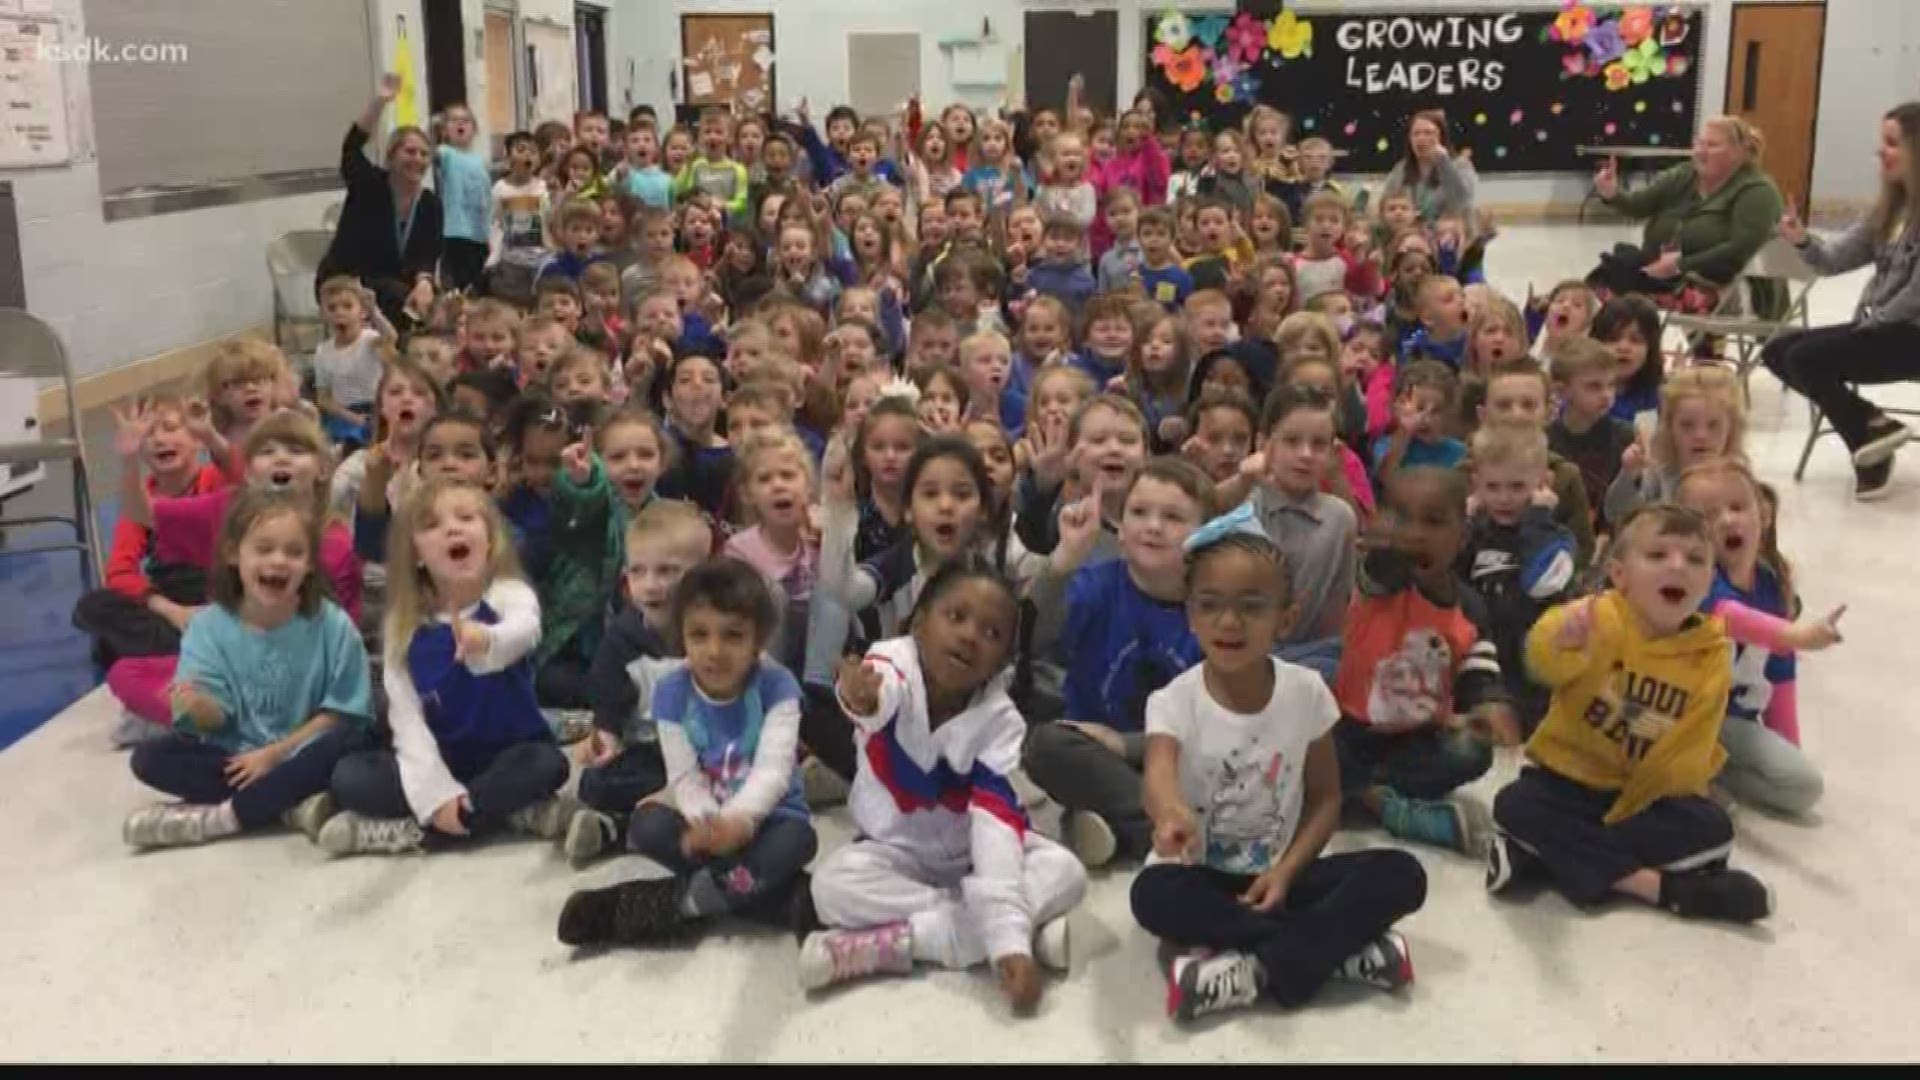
1145,170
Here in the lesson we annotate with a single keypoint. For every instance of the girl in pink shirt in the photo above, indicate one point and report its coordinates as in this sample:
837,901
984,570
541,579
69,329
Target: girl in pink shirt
286,450
777,485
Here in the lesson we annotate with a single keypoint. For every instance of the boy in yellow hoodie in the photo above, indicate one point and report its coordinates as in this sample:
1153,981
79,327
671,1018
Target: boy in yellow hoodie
1614,796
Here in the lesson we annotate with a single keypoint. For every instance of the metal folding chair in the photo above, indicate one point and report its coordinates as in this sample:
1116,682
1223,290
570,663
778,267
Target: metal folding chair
1736,319
292,261
1818,428
30,351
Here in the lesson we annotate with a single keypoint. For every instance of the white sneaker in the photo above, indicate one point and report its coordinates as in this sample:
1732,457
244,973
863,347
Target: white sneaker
311,815
589,833
131,731
1197,986
832,956
1088,836
177,825
348,833
1053,945
546,819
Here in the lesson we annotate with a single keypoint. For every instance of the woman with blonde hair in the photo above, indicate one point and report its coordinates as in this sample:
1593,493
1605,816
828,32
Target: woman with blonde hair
1706,217
1882,342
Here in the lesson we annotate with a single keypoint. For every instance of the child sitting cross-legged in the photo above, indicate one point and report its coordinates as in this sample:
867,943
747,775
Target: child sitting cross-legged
1614,797
1419,685
949,870
472,754
731,825
1243,785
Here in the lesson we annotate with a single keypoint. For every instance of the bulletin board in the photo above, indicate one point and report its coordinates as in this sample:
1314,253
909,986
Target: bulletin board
33,96
727,60
1523,89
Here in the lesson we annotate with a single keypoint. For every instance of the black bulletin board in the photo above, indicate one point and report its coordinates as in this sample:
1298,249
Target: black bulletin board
1523,89
1091,41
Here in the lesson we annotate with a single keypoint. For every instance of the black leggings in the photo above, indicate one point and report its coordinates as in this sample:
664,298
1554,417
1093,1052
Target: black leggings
1821,363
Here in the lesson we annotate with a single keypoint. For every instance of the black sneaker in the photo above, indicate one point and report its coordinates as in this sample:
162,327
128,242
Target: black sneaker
1871,483
1508,863
1727,895
644,912
1884,436
802,919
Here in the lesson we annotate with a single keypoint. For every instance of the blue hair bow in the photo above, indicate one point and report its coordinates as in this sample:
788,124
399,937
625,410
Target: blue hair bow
1239,521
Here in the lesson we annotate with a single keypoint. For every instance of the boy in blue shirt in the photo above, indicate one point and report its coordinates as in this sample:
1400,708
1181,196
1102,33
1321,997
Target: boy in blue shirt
641,175
1062,271
1443,323
1164,280
1424,396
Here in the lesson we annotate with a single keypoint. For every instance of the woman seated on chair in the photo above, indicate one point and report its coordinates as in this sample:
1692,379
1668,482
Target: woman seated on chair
389,234
1705,219
1882,343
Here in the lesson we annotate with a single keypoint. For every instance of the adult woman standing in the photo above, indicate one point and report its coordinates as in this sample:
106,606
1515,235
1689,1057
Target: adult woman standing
389,233
1441,184
1882,342
1705,217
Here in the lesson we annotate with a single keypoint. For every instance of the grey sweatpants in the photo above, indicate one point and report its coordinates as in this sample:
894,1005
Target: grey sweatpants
1765,770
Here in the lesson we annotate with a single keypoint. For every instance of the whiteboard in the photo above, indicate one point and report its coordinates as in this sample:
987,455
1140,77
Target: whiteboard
33,97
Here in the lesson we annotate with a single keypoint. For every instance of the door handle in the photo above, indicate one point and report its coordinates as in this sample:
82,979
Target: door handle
1751,82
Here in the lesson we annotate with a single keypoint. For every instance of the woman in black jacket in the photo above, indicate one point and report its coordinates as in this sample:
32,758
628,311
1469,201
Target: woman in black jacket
389,233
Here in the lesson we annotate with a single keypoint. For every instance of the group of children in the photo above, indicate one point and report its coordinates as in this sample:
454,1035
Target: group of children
893,466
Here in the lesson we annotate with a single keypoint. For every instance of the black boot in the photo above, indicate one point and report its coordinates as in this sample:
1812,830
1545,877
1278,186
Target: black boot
644,912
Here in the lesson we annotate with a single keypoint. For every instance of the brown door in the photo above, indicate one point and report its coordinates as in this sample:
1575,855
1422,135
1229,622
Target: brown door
1773,82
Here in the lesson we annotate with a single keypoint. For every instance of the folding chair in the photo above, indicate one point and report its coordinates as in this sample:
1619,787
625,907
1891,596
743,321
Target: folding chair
1817,428
1736,319
292,261
30,351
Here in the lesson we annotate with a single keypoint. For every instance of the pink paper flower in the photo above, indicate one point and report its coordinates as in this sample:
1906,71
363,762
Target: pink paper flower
1246,37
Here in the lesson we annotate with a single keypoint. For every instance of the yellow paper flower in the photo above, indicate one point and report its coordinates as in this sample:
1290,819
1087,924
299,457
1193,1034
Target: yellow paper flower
1617,76
1291,36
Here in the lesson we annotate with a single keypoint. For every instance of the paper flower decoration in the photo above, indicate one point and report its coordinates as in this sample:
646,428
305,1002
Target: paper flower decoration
1291,36
1606,42
1226,68
1572,24
1223,93
1247,86
1673,30
1636,25
1644,61
1574,63
1174,31
1246,37
1617,76
1207,30
1186,68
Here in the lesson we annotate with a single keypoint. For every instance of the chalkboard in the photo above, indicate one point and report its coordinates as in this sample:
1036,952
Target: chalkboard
1522,89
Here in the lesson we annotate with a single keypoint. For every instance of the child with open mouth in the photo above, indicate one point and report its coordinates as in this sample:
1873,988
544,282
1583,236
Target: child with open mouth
783,543
271,687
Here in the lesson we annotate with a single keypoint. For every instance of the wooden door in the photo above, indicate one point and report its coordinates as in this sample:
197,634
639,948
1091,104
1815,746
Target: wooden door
1773,82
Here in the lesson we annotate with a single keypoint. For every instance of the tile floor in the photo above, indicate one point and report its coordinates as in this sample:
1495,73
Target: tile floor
260,949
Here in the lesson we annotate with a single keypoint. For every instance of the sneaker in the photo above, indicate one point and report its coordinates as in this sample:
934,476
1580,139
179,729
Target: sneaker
348,833
1728,895
569,725
310,816
1885,435
821,786
131,731
833,956
1440,822
1386,963
545,819
643,912
1197,986
802,917
1507,862
176,825
1053,946
1872,482
589,833
1088,836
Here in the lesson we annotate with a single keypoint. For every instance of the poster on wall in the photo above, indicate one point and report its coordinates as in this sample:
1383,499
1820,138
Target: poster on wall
1522,89
727,60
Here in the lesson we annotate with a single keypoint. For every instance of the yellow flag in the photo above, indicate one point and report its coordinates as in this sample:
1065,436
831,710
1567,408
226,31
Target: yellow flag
406,106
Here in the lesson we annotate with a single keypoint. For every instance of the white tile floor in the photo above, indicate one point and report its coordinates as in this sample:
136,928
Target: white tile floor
260,949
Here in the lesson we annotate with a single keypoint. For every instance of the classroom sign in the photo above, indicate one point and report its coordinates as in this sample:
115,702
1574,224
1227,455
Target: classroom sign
1522,89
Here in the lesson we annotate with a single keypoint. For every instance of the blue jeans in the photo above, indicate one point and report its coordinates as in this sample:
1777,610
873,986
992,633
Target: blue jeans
196,772
522,774
757,880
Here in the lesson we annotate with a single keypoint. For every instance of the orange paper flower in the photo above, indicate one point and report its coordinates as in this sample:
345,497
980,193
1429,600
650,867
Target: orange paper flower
1636,24
1187,69
1617,76
1573,23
